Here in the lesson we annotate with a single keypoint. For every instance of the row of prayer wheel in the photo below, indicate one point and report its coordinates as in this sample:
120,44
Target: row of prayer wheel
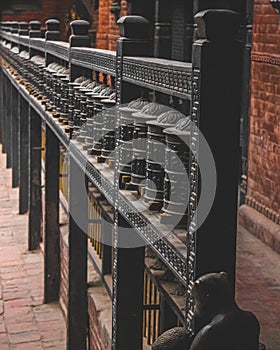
153,151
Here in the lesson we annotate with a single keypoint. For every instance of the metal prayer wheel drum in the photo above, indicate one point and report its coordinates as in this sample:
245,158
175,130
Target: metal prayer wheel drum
82,116
64,98
126,135
109,134
78,105
177,160
71,108
138,166
155,170
98,117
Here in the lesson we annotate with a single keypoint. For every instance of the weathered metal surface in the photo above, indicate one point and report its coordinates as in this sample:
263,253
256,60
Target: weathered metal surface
59,49
52,231
35,189
77,264
15,136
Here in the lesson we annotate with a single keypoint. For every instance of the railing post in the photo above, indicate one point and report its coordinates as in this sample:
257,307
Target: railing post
35,29
8,123
78,38
77,313
1,100
216,86
4,111
128,274
34,32
51,232
23,111
52,34
245,99
15,135
24,142
35,190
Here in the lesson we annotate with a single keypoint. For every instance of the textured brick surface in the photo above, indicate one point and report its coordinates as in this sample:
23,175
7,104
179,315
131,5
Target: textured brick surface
50,9
264,143
108,31
25,322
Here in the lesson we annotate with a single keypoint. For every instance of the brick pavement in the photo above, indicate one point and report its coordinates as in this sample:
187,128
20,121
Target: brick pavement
258,285
25,322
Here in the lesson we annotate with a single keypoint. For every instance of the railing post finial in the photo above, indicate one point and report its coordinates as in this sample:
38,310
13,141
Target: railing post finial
52,32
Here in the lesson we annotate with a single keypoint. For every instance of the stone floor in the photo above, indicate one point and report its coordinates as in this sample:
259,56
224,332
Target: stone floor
26,323
258,285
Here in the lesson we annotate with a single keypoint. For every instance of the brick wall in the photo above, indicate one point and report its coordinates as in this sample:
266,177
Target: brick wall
108,31
50,9
264,143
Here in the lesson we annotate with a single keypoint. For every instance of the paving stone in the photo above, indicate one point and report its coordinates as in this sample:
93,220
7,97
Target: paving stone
20,327
24,337
27,346
21,284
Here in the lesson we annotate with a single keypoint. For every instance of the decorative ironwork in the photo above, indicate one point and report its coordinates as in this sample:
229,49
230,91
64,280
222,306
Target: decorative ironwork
58,49
37,44
193,200
158,74
95,59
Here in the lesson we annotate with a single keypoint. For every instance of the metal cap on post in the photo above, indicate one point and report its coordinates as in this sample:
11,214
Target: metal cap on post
14,29
134,27
217,25
8,27
79,36
52,32
35,31
23,28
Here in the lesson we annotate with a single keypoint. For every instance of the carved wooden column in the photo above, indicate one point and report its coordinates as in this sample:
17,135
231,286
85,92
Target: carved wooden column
217,58
128,263
77,313
245,97
35,190
23,140
52,232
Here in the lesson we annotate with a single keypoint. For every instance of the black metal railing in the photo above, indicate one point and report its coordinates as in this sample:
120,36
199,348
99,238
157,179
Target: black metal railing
70,89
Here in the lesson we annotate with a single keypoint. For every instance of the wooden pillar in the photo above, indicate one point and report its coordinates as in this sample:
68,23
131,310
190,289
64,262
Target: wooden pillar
77,316
35,190
52,232
128,284
15,136
1,105
4,111
128,273
217,58
245,98
78,253
23,155
9,124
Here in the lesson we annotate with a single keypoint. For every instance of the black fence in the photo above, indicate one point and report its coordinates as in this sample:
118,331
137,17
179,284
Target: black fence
101,115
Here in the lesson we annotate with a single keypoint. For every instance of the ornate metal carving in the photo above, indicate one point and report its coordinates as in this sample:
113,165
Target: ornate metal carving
193,196
158,74
58,49
95,59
